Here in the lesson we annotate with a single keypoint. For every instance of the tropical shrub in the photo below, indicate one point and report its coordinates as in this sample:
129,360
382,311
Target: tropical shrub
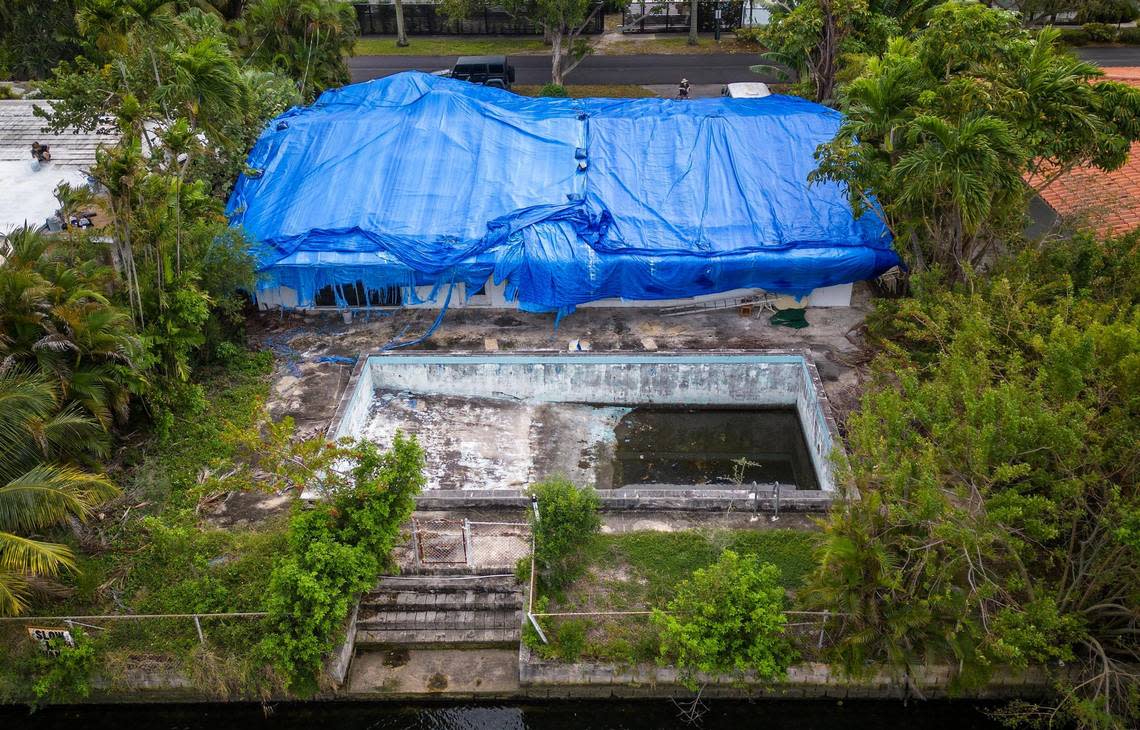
1100,32
65,674
567,517
995,462
553,90
337,548
727,618
56,319
1130,36
1073,36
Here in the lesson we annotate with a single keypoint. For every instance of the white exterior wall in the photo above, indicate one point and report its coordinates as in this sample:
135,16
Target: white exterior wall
495,298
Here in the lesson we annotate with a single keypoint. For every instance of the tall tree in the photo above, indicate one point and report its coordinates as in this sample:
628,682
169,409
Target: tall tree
693,11
940,132
562,21
401,31
307,41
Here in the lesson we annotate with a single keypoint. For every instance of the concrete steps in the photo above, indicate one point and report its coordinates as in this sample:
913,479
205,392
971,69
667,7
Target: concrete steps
438,611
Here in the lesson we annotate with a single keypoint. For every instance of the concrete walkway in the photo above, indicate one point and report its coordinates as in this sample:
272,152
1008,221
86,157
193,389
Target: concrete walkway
454,672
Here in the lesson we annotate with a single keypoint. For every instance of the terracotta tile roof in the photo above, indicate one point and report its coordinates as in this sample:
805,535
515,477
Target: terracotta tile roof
1107,201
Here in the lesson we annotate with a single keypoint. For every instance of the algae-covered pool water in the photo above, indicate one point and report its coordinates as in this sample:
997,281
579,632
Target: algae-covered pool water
536,715
711,446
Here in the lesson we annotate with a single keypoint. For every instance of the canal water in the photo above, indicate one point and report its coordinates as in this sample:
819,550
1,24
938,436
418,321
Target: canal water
550,715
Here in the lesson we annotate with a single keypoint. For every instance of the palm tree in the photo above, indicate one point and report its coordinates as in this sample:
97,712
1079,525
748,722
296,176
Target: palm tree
967,169
56,321
38,487
306,40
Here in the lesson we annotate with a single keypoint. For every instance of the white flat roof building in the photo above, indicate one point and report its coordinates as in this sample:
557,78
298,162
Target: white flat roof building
27,189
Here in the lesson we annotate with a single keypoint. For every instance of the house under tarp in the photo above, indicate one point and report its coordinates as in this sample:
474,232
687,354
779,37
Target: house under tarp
414,186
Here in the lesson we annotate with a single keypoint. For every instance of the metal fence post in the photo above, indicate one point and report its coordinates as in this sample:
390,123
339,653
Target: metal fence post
198,625
468,548
415,544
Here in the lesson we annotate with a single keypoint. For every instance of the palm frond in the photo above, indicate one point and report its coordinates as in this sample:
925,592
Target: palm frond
33,557
48,494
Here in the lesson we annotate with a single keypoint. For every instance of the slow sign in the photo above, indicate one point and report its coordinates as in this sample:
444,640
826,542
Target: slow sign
43,636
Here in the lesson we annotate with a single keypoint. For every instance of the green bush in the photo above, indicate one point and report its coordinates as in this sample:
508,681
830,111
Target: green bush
727,618
750,35
65,676
1131,36
553,90
336,550
1106,11
568,516
1100,32
1074,37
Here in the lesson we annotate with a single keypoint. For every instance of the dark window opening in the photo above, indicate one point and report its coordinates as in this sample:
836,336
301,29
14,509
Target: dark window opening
355,295
481,291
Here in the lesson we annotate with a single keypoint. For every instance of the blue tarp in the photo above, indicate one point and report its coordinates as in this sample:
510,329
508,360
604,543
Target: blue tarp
416,179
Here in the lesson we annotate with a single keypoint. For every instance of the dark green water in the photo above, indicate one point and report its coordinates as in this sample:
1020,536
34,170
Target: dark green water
552,715
684,445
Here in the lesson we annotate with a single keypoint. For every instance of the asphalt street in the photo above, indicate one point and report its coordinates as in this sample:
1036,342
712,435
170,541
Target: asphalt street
704,68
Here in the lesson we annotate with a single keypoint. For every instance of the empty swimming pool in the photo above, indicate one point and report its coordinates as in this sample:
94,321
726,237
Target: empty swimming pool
613,421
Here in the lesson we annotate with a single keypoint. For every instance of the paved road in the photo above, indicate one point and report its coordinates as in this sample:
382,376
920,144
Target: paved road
705,68
1122,56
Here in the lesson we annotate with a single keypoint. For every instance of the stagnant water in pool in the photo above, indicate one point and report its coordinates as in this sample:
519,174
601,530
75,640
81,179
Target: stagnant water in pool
546,715
712,446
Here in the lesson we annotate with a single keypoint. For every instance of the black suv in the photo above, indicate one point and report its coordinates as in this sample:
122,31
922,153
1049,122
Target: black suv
486,70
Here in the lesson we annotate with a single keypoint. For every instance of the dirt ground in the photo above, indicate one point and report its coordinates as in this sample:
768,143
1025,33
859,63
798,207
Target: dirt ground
316,352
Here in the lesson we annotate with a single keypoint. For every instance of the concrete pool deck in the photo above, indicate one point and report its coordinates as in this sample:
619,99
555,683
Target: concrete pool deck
315,354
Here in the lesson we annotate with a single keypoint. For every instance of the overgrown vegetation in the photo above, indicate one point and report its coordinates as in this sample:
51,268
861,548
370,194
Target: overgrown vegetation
336,550
150,552
996,463
729,619
567,517
641,571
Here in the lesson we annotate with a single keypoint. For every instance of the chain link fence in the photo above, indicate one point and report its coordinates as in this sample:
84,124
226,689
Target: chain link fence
466,543
620,636
213,652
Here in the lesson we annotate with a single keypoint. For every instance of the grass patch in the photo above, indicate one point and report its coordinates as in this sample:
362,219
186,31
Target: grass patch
638,571
588,91
632,46
427,46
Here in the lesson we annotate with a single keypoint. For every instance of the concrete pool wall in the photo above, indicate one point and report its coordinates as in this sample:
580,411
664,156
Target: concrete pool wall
734,379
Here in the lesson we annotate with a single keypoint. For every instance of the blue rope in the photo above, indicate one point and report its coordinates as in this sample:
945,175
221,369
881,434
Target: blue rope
394,343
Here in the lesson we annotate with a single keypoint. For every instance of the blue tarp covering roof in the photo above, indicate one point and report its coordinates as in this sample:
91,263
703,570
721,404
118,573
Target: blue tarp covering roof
416,179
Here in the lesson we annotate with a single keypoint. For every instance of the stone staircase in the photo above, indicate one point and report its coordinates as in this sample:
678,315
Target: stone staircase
432,610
